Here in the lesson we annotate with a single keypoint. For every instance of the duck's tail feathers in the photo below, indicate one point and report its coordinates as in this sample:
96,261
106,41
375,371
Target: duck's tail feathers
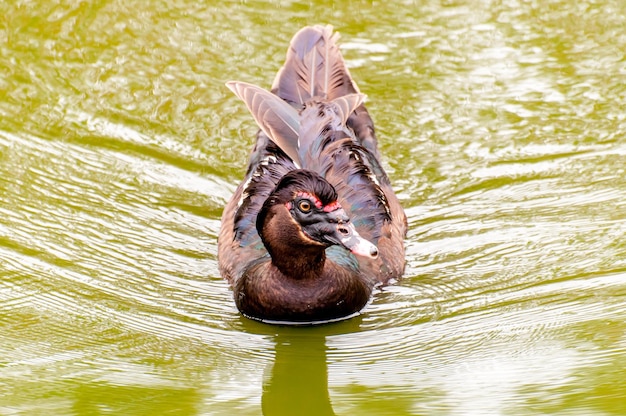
346,105
286,127
318,124
314,67
275,117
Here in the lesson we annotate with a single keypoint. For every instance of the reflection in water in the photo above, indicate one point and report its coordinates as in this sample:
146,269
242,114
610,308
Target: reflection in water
298,381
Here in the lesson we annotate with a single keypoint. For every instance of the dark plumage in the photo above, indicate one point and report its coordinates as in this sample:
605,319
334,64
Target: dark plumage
315,224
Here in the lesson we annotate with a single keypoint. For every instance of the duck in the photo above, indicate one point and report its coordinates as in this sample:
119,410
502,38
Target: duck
315,225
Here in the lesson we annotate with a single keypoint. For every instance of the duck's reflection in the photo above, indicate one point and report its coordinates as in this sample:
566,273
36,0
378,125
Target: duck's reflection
297,381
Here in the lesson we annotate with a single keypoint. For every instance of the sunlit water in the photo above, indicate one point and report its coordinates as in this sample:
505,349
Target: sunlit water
503,128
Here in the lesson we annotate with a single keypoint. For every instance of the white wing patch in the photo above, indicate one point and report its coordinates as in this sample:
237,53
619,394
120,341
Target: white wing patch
245,194
370,175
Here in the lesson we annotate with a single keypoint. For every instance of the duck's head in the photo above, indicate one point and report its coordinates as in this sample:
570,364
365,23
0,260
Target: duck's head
302,213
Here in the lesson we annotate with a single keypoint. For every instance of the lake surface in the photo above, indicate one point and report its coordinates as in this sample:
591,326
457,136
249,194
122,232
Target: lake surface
503,129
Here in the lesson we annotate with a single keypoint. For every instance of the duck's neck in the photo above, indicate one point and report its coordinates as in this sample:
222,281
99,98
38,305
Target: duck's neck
297,261
295,255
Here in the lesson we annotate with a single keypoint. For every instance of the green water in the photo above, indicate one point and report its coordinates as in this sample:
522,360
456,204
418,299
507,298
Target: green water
503,129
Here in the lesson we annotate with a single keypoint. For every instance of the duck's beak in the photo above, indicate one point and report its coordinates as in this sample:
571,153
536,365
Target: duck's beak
351,240
347,236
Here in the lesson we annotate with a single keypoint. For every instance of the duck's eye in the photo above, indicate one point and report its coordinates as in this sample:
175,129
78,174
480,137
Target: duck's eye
304,206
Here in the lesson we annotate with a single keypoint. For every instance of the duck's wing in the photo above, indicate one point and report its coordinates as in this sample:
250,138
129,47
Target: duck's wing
366,195
328,147
239,242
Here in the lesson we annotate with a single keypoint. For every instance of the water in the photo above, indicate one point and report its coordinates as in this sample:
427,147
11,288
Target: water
502,126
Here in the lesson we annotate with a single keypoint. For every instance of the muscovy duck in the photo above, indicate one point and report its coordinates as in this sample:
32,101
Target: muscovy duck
315,224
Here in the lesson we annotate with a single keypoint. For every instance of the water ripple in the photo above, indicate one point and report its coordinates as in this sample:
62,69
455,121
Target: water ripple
501,126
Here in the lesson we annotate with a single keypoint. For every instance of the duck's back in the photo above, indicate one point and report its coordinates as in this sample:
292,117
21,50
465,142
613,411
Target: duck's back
315,80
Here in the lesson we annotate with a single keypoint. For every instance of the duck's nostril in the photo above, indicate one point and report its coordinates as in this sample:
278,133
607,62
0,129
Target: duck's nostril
343,230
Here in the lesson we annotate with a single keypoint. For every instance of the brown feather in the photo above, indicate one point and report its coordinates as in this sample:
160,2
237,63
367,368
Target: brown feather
314,67
275,117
